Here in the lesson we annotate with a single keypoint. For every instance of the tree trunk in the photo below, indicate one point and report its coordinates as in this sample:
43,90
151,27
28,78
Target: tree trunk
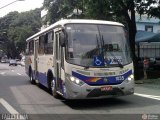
132,34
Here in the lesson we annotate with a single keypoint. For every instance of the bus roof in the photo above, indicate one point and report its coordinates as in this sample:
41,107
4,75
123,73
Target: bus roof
66,21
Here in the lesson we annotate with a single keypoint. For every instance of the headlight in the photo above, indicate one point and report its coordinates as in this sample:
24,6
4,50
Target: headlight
131,77
74,80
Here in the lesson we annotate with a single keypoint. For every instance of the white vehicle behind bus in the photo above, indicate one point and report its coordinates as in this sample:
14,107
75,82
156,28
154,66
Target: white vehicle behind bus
81,59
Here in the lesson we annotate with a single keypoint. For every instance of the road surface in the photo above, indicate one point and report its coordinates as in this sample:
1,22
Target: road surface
19,97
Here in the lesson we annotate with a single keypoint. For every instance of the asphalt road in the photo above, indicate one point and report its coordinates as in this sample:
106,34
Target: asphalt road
19,97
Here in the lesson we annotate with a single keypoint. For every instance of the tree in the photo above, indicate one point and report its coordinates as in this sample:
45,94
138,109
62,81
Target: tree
17,28
53,7
58,9
18,35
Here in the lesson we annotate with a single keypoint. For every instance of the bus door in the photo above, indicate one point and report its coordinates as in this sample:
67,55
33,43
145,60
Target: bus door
36,58
57,54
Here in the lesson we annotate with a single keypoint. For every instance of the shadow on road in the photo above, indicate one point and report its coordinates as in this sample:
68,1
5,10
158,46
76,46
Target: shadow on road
95,103
107,104
124,102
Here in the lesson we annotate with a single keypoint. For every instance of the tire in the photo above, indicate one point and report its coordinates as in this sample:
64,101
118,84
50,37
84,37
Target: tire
31,78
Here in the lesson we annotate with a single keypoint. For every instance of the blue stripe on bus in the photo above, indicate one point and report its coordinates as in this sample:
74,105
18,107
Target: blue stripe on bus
109,80
42,79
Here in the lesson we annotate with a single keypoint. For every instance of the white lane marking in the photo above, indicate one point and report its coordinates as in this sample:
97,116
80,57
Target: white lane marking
148,96
19,74
12,70
2,73
8,106
10,109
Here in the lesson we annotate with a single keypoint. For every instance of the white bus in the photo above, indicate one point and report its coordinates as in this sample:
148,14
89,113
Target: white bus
81,59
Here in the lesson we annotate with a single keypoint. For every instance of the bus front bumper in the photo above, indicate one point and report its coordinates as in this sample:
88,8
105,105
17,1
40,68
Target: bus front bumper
74,91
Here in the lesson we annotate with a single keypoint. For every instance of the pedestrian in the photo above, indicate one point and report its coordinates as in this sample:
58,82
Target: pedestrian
145,66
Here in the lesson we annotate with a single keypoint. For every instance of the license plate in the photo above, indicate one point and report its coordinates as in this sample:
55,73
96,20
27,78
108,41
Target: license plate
106,88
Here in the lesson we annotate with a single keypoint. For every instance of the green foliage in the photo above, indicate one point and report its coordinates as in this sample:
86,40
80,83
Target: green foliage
53,7
115,10
97,9
17,28
19,35
7,20
58,9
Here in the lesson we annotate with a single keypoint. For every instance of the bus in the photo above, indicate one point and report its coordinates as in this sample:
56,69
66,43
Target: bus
81,59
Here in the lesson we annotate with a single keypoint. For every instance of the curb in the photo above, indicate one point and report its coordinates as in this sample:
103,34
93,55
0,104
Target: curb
139,82
148,81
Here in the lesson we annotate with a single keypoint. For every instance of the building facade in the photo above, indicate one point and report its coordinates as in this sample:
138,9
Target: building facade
148,24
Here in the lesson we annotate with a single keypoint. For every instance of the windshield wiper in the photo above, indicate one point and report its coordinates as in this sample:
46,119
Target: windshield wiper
98,46
102,43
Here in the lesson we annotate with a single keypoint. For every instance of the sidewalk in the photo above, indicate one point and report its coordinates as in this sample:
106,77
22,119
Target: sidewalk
148,86
150,79
155,82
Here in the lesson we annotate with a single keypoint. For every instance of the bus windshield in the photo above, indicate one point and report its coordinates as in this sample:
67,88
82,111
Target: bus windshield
87,43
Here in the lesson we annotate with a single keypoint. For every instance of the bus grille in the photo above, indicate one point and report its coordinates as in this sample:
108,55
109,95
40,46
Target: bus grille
98,92
94,84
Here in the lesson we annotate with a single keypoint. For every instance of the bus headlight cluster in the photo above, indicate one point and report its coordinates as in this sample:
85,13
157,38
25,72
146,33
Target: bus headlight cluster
130,78
75,80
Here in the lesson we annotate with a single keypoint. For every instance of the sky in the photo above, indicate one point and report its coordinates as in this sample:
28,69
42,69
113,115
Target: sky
19,6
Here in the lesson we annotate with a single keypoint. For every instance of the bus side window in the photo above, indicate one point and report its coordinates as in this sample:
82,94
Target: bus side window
49,43
41,45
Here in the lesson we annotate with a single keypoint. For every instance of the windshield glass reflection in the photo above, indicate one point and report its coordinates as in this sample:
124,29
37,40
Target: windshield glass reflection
90,42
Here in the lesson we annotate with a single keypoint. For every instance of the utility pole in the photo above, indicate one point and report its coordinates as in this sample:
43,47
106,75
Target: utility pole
10,4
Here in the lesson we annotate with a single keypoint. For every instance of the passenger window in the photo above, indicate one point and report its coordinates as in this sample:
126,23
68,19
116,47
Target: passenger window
49,43
41,45
31,47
